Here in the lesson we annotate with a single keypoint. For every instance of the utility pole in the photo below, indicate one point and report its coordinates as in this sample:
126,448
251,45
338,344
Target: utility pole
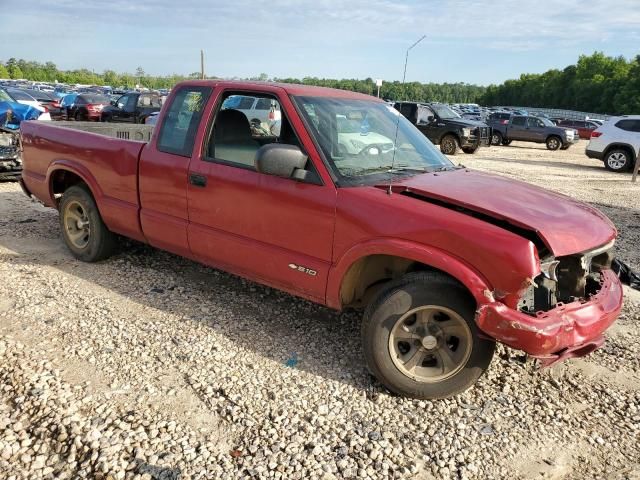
202,64
406,59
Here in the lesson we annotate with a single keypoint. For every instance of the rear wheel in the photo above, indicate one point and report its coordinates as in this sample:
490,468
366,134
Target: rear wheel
617,160
420,338
83,230
496,138
449,145
554,143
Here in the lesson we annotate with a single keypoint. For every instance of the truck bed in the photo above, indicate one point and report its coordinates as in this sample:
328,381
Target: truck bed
103,155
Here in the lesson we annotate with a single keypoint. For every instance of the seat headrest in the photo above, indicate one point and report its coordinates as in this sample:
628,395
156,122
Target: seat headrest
232,126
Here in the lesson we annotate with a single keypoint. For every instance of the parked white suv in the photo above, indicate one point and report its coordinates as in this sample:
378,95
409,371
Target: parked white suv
616,143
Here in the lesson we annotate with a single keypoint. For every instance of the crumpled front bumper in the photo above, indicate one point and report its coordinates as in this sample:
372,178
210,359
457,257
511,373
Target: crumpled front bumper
568,330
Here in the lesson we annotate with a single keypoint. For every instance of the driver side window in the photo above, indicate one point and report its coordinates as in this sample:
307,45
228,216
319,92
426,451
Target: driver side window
239,130
122,102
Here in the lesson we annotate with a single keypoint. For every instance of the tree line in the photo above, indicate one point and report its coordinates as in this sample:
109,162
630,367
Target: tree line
48,72
596,83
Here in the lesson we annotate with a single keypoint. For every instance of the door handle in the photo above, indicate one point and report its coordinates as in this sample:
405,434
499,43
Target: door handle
197,180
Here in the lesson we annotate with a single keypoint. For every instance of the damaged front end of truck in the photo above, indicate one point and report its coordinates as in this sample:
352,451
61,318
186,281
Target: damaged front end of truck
562,312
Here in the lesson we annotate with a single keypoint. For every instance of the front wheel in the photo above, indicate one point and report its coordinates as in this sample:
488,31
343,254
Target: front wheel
420,338
496,138
83,230
554,143
449,145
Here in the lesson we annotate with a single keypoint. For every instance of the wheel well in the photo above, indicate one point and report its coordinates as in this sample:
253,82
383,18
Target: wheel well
453,134
618,146
553,135
61,180
369,274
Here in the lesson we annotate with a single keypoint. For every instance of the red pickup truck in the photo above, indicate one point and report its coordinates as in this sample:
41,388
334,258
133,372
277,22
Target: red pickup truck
347,204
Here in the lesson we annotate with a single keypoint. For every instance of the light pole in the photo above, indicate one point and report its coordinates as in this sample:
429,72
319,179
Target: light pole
406,58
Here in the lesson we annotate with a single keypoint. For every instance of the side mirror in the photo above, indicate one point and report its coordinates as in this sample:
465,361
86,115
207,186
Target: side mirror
113,102
286,161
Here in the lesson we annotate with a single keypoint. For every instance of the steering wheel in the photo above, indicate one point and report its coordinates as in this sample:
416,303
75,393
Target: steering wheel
372,150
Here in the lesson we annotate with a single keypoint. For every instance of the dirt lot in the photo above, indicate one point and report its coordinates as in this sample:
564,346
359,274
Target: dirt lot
151,366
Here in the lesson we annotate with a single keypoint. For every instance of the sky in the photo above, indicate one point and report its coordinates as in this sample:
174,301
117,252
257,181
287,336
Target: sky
471,41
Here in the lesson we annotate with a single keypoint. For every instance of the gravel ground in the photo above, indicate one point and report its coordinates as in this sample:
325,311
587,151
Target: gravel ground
151,366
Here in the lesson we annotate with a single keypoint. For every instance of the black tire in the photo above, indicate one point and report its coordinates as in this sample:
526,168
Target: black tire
470,150
78,117
100,242
105,118
497,138
618,160
553,142
392,304
449,144
506,142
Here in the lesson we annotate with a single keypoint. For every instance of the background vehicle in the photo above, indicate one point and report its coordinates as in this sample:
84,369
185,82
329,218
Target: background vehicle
443,266
46,99
616,143
10,159
529,128
132,107
444,127
257,110
25,99
87,106
584,127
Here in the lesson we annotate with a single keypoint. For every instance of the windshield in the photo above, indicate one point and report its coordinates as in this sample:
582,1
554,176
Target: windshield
444,112
5,97
547,122
366,141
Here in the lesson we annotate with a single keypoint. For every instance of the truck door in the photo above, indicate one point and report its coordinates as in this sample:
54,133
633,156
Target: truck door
517,128
535,130
278,231
163,171
432,126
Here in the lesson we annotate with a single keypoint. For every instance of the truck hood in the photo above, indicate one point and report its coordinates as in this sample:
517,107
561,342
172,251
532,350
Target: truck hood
565,225
464,122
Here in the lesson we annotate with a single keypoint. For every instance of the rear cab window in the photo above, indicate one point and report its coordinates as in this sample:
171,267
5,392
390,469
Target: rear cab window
181,122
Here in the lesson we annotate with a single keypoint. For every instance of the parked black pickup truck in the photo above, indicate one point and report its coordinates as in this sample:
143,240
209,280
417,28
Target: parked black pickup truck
529,128
445,127
132,107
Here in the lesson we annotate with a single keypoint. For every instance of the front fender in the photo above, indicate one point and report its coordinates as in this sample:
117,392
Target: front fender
475,282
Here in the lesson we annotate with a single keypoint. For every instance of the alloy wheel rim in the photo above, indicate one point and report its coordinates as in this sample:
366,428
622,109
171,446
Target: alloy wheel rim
430,343
77,225
553,143
448,146
496,139
616,160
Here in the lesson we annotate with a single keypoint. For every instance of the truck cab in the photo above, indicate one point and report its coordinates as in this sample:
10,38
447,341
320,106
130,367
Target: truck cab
444,127
132,107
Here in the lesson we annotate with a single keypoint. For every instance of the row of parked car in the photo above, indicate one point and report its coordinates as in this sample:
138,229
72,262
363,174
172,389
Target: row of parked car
87,103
